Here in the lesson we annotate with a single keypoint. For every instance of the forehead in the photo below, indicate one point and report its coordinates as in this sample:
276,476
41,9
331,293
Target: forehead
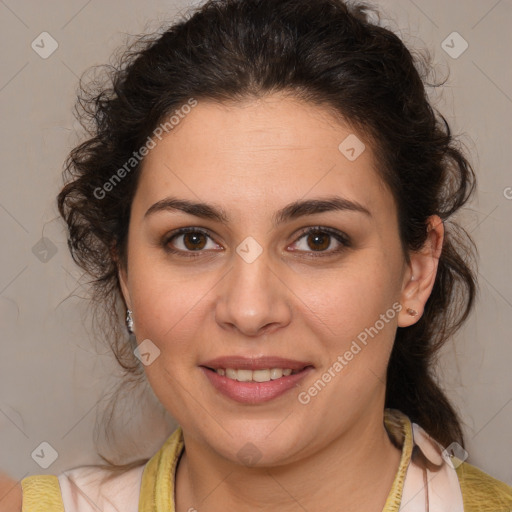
272,150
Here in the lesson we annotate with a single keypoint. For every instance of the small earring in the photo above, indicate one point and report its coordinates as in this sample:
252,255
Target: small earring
129,321
412,312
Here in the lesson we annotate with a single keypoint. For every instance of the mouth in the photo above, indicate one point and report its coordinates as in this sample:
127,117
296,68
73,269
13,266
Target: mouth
255,380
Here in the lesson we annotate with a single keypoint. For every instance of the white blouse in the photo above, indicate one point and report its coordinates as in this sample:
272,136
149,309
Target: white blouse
83,490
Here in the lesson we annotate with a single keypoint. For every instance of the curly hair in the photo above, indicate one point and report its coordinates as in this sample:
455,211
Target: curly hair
326,52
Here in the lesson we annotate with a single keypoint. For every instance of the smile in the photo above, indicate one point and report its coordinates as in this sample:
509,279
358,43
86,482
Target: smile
254,386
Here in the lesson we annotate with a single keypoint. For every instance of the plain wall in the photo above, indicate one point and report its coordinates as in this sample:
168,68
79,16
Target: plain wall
53,375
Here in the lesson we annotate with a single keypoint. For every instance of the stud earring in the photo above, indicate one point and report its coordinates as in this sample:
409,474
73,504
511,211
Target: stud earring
412,312
129,321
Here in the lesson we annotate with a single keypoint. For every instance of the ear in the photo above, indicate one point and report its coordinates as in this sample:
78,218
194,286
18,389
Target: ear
122,274
123,281
421,273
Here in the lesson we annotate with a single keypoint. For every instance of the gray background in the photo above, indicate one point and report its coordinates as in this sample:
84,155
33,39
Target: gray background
53,373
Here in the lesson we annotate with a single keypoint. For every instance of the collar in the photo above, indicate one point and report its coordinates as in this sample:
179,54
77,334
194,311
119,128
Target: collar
426,479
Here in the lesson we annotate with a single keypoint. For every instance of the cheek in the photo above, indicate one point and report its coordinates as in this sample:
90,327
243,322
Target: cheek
167,309
352,316
168,305
349,298
354,320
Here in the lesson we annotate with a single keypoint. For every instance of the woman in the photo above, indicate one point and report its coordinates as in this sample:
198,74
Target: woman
267,188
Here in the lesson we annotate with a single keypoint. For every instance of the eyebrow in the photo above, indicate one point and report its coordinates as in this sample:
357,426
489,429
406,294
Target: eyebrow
292,211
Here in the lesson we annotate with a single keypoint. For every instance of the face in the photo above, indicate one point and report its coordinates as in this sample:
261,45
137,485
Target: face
256,280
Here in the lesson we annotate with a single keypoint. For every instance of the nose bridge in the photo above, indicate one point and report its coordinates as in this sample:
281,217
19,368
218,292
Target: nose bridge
252,297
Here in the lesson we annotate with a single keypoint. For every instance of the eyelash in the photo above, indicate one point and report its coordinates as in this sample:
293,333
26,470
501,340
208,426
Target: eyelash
343,239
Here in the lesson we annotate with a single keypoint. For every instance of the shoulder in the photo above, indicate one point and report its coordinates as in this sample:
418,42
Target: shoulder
10,494
82,489
91,488
482,492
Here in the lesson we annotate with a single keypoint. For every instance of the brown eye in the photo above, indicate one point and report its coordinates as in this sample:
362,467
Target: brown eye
318,240
194,241
187,241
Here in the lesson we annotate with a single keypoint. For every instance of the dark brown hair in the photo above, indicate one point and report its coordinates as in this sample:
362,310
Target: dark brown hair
326,52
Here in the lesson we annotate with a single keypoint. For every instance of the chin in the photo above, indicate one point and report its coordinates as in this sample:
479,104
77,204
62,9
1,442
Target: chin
259,447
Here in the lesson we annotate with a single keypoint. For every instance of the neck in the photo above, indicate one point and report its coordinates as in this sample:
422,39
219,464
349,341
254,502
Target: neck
338,476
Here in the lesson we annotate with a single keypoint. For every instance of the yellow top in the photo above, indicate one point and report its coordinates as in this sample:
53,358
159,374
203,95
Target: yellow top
480,492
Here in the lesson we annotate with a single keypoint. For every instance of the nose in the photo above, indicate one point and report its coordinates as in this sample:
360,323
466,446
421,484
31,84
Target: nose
253,298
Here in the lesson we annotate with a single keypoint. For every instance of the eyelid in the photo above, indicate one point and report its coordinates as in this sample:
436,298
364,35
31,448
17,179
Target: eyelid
324,229
342,239
183,231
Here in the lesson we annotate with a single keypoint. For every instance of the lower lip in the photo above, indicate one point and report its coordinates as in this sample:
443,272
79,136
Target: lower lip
254,392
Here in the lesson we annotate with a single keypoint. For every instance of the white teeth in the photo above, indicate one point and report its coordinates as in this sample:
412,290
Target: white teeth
244,375
276,373
232,374
256,375
261,375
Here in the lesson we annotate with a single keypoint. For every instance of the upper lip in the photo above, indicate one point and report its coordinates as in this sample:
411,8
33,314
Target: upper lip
254,363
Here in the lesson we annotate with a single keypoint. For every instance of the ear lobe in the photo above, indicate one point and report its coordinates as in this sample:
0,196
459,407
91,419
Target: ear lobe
422,271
